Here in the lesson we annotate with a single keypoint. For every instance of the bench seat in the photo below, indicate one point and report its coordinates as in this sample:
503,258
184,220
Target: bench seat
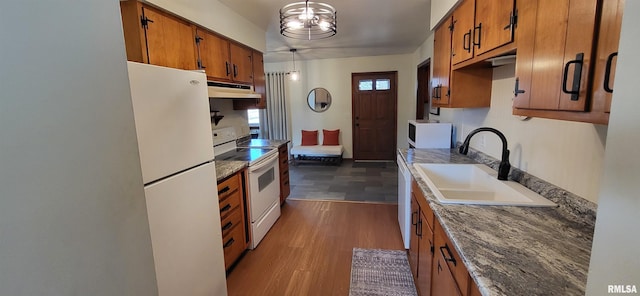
317,153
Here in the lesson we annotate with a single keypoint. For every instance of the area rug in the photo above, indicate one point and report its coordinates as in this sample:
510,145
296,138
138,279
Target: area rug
380,272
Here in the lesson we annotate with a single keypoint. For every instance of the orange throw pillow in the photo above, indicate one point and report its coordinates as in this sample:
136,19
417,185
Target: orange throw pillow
330,138
309,138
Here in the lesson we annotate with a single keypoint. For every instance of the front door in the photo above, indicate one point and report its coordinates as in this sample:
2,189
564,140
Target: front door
374,107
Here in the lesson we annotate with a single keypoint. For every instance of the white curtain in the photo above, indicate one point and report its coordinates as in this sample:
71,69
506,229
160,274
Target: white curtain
273,120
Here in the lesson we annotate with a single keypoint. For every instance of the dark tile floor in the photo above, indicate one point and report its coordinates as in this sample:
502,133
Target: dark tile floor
360,182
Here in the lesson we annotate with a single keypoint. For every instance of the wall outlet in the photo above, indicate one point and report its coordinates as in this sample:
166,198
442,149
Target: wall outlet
483,141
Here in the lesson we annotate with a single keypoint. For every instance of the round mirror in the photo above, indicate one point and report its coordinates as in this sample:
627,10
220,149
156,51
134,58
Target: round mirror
319,99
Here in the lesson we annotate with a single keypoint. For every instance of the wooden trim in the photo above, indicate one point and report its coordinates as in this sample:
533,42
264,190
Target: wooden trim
588,117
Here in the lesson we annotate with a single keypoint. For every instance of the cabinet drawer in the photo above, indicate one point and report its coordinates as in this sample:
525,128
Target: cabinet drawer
233,219
228,204
228,186
424,205
445,249
233,246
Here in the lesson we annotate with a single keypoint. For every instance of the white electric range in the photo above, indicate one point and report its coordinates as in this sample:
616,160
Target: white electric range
264,180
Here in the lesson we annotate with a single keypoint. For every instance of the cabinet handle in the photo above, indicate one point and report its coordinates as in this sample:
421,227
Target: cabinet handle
466,41
431,247
439,267
225,208
413,216
223,190
227,226
144,21
226,64
229,243
235,70
517,90
419,226
479,29
577,75
446,247
607,72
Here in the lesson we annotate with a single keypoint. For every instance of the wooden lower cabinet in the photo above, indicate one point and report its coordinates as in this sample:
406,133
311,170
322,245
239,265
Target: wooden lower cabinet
283,159
233,218
421,241
443,282
436,266
425,255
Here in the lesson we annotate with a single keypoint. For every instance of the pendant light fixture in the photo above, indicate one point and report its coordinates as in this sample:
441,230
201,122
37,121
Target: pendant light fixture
308,20
295,75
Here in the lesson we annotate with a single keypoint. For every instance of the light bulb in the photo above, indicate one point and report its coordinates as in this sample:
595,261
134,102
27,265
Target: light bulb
295,25
307,14
294,75
324,25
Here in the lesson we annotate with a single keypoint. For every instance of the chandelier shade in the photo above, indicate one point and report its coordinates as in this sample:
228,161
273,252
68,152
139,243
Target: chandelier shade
308,20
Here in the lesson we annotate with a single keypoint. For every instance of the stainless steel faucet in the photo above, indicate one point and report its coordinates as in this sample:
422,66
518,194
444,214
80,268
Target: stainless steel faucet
505,166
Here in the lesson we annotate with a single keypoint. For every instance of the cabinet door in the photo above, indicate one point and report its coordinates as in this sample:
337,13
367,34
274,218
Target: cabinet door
214,55
241,71
494,26
259,86
462,38
441,63
414,241
553,36
425,256
606,54
443,283
170,41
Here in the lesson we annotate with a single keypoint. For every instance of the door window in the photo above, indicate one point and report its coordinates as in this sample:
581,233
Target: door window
374,84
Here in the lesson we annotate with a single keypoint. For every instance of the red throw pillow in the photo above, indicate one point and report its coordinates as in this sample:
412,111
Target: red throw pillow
330,138
309,138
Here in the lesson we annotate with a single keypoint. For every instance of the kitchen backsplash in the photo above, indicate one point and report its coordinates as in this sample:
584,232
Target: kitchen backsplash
236,118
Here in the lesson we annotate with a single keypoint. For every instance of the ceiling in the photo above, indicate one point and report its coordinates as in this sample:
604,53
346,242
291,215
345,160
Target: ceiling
365,28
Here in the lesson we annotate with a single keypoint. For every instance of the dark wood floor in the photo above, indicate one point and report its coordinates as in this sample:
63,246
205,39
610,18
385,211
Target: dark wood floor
365,182
308,250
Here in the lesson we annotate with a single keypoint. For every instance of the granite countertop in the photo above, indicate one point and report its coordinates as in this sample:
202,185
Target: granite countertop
262,143
226,168
515,250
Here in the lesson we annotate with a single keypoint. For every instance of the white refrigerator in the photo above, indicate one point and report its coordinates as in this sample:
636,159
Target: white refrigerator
171,110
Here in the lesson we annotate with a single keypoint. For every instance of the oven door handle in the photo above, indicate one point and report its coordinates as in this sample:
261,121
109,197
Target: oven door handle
267,162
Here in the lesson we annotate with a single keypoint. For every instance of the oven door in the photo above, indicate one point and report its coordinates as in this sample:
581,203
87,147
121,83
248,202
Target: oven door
264,184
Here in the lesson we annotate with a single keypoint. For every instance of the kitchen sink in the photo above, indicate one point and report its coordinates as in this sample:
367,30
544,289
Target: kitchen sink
476,184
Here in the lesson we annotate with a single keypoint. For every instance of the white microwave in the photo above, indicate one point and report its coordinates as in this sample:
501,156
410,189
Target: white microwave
429,134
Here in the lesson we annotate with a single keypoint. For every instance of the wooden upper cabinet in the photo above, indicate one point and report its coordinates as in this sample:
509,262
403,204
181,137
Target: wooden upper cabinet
480,26
155,37
606,54
441,64
555,62
462,35
213,53
495,24
259,86
241,60
558,47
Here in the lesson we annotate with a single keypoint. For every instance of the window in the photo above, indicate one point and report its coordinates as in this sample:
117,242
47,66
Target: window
369,84
383,84
365,84
254,117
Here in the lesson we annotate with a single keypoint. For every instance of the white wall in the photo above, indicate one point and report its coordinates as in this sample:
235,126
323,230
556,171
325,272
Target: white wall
73,219
615,257
335,76
218,17
567,154
440,8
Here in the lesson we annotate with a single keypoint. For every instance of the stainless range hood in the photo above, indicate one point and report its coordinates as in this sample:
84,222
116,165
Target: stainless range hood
222,90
